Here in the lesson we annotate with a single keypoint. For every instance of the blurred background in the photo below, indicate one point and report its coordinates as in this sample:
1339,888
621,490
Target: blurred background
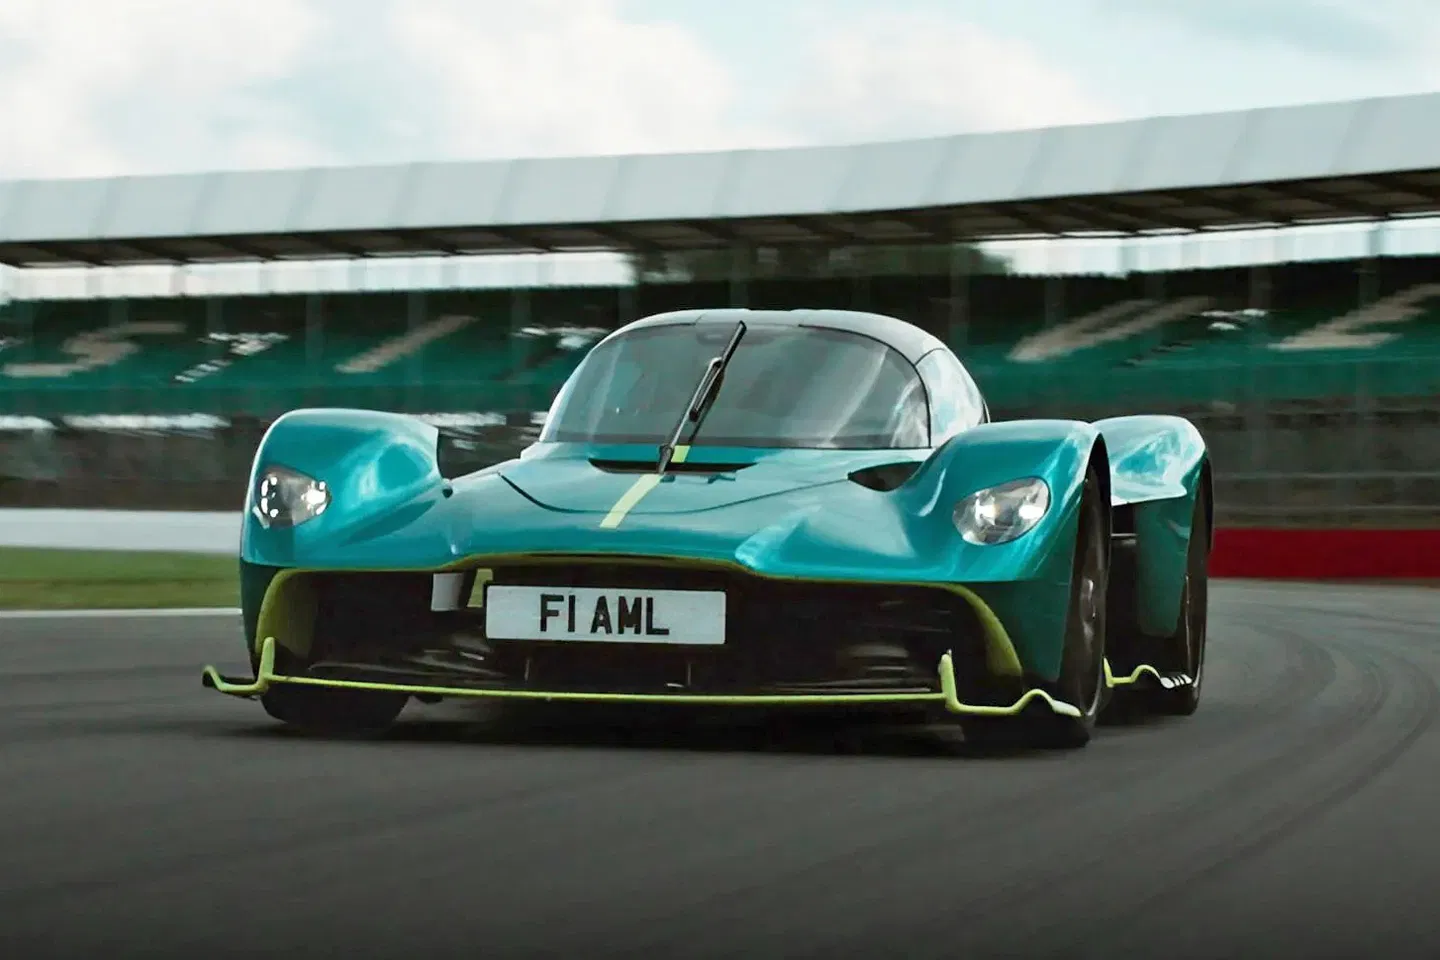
1268,271
157,402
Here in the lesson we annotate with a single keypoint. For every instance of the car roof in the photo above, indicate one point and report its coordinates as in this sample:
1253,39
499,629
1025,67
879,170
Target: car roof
905,338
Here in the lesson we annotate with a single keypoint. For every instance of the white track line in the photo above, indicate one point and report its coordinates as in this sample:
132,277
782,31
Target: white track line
123,614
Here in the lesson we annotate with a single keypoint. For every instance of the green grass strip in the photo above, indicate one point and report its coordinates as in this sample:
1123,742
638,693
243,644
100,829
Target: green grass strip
34,579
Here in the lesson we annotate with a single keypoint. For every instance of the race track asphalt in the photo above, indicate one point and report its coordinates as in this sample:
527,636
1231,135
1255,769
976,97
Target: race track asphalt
1298,812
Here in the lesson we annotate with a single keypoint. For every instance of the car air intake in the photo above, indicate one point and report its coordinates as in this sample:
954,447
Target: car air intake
649,466
886,476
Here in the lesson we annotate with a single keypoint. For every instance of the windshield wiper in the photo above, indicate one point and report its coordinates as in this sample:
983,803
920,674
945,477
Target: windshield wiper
703,399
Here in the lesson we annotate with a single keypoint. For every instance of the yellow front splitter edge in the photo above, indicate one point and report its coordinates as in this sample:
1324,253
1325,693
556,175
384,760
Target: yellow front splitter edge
1167,681
266,676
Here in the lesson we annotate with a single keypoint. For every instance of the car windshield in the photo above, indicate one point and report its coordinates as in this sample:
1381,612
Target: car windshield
785,387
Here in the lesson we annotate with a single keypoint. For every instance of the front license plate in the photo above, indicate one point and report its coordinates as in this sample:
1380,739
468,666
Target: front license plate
692,617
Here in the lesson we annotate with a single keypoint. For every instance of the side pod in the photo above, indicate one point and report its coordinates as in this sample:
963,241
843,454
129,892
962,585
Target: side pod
1158,466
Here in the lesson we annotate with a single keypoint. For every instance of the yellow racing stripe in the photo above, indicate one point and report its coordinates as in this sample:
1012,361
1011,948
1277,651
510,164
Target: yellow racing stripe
637,492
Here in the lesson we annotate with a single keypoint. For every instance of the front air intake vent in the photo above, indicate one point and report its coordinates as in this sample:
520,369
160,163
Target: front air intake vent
886,476
650,466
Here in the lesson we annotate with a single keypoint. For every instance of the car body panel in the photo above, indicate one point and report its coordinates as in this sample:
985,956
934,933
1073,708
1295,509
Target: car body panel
1157,464
775,512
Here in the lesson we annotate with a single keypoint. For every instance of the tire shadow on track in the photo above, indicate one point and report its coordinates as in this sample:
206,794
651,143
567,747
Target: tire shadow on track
569,727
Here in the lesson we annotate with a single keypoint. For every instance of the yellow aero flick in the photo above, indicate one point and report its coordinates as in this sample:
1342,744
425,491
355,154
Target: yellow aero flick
637,492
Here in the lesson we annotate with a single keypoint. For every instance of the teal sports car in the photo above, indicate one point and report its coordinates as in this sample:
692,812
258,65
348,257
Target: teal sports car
744,509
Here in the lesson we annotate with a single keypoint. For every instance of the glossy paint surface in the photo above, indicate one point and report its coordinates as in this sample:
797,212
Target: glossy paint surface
779,513
783,512
1156,464
775,512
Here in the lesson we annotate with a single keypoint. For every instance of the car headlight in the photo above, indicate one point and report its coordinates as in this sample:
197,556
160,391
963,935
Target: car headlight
1001,513
287,498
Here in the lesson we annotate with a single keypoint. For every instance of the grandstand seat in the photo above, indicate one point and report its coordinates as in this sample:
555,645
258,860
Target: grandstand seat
264,355
1193,349
1077,346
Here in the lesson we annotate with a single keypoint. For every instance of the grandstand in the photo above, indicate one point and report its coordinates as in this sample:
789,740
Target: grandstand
1312,371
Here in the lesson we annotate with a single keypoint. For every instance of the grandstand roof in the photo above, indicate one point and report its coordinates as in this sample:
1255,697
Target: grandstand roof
1369,159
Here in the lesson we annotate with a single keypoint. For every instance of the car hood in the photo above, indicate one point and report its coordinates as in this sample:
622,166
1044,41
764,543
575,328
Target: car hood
596,479
786,513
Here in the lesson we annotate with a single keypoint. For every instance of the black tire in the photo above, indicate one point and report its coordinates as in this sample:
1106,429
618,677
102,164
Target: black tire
1184,650
327,710
1082,670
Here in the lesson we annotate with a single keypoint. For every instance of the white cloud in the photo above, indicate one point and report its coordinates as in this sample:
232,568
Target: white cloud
103,87
1427,39
554,77
97,86
1376,30
900,75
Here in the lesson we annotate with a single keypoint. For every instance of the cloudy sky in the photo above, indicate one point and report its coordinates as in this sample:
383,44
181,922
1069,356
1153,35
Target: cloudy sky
99,87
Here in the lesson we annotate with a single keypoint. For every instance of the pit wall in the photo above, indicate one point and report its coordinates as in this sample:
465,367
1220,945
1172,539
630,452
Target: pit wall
1341,554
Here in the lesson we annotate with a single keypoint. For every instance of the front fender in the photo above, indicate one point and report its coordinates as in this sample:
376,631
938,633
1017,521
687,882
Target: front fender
380,468
1026,581
1056,451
